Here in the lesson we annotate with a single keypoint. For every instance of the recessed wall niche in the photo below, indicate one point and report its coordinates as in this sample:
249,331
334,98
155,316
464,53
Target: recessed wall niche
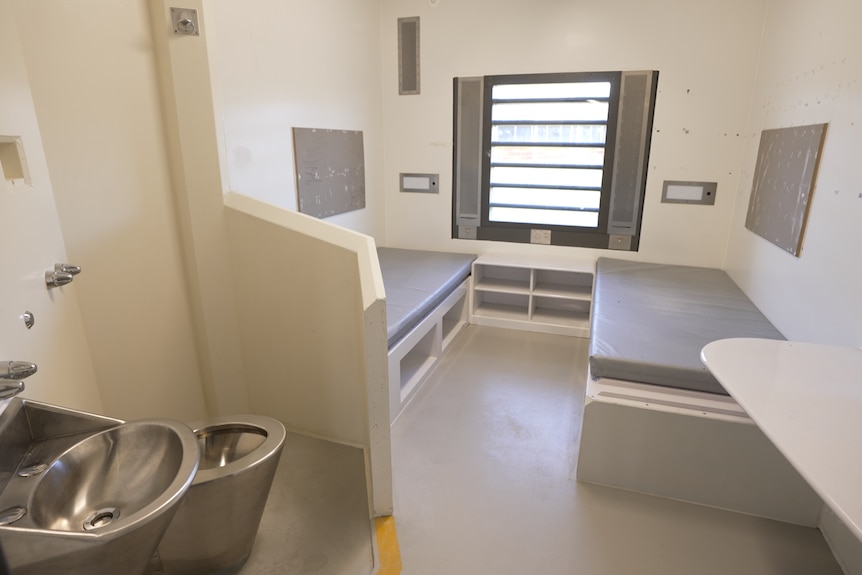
13,165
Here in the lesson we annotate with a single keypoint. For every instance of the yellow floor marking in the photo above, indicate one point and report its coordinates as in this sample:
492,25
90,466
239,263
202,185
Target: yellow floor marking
388,551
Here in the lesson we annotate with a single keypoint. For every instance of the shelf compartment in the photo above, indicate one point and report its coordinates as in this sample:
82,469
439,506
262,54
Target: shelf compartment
580,293
564,284
502,305
502,279
553,310
417,362
453,320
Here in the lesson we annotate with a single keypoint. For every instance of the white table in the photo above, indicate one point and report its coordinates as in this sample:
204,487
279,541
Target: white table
807,399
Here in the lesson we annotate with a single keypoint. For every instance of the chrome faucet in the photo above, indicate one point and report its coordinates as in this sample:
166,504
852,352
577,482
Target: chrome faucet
11,371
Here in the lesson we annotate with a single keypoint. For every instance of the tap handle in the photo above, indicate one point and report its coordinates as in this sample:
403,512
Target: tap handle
67,269
61,275
18,370
57,279
7,390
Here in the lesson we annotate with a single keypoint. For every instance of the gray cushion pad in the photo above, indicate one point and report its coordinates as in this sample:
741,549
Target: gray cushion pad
416,282
650,322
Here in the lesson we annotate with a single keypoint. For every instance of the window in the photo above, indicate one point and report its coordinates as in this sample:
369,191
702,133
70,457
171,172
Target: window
552,158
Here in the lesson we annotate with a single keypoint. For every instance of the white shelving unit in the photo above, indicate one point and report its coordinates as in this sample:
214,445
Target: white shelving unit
543,294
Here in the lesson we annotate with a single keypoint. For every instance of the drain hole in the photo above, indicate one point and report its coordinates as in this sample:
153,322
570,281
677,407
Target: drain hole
11,515
32,470
101,518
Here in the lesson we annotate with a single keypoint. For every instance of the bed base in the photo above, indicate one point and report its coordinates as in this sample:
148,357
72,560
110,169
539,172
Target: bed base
690,446
413,356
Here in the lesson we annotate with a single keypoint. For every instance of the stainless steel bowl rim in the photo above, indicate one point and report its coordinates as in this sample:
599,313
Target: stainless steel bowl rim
272,443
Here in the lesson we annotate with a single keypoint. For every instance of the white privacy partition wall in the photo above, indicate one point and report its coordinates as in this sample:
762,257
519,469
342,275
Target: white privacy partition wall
807,399
312,312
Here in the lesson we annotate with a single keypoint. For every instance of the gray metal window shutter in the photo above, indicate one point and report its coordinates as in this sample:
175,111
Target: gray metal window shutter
468,146
630,154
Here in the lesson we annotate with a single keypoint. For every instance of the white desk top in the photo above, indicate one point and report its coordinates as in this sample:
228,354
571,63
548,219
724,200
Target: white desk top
807,399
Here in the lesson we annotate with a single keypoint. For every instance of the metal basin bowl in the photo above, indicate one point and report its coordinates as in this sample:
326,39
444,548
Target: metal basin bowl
134,469
105,502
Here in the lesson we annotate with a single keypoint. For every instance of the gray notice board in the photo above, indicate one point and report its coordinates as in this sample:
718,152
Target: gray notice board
784,175
330,171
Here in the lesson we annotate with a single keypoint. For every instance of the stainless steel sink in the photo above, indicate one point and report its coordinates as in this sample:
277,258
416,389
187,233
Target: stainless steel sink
80,492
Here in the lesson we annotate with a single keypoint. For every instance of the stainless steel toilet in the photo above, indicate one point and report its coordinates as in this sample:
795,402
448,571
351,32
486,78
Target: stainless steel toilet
216,524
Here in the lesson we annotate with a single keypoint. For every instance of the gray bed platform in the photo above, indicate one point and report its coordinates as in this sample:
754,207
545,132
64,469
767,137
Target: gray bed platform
655,420
416,282
650,322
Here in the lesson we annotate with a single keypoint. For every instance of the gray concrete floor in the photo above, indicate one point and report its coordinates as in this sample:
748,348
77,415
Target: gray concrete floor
316,517
485,481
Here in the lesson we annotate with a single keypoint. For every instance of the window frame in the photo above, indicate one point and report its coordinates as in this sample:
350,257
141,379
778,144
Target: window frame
600,237
610,142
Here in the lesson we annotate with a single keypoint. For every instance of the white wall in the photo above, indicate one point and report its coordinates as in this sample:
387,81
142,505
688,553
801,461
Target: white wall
704,52
810,72
140,206
93,76
30,245
192,144
284,64
330,64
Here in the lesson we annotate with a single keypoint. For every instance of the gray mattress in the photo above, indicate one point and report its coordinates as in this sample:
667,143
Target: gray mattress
650,322
416,282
